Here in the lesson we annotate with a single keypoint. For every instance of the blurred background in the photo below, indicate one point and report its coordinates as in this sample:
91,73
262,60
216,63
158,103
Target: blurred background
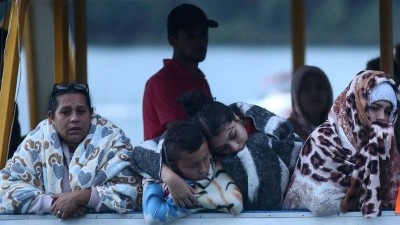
252,22
249,54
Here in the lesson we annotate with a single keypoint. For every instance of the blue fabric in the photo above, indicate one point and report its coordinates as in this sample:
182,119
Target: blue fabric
158,209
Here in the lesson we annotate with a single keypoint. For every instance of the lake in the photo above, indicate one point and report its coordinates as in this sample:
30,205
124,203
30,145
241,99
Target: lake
255,74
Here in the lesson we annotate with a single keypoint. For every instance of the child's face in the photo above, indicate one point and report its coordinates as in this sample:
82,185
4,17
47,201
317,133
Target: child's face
231,139
194,166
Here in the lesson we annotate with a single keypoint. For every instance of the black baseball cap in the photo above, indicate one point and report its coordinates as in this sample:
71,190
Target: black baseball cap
185,16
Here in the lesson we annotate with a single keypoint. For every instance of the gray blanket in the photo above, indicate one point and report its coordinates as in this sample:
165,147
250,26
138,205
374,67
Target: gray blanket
261,170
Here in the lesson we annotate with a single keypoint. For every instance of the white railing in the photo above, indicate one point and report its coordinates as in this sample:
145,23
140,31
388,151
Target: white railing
245,218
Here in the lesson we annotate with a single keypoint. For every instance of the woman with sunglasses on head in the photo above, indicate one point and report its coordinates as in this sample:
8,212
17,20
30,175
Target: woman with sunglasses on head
256,148
351,162
73,162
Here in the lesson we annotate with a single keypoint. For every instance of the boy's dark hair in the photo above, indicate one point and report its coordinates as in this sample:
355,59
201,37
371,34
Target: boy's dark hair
182,137
209,115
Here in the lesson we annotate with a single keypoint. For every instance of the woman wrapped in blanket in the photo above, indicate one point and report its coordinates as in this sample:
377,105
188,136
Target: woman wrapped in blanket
72,162
185,150
256,148
351,162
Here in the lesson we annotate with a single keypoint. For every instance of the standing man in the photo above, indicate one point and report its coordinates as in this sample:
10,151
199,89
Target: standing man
188,35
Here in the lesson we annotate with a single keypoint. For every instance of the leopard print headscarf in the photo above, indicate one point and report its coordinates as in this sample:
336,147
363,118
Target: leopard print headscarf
348,148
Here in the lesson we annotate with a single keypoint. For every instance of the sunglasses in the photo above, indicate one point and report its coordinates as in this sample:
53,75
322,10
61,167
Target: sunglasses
69,86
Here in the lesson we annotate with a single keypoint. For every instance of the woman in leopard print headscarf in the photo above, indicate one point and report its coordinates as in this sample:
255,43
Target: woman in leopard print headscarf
351,161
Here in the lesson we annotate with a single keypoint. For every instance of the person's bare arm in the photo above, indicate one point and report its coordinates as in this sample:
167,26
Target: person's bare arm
180,191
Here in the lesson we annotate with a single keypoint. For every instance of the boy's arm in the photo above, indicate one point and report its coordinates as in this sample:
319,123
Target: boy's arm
157,209
179,190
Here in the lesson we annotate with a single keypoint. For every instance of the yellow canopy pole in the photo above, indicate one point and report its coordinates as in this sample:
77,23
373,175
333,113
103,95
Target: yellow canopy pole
10,73
386,38
61,43
80,41
298,34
